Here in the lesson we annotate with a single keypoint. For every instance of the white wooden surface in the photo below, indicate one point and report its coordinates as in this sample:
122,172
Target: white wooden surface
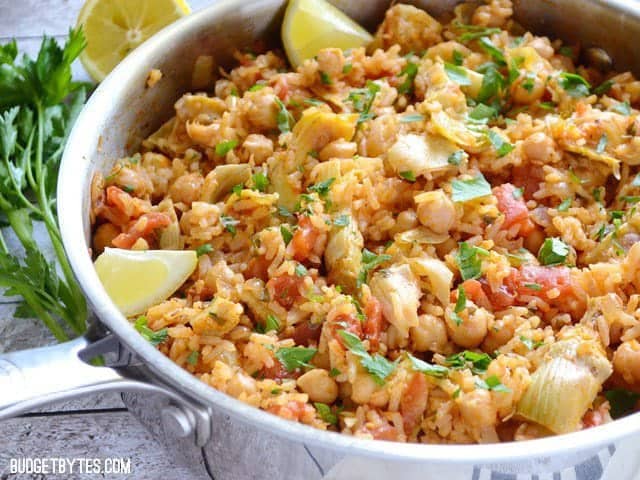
92,427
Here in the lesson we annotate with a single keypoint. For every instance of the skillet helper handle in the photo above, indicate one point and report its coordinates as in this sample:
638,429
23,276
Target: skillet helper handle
33,378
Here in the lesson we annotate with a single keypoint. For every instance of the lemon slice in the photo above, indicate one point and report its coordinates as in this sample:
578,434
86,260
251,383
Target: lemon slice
115,27
311,25
138,279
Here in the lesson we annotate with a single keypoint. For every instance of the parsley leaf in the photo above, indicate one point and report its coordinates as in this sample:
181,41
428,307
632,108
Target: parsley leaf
229,223
225,147
623,108
564,206
529,343
325,78
286,234
553,252
325,413
370,261
499,143
284,118
575,85
437,371
342,220
204,249
192,359
362,100
457,74
479,361
492,383
473,32
495,53
492,84
322,188
465,190
300,270
408,175
154,337
456,157
377,366
410,71
293,358
469,261
271,323
603,88
260,181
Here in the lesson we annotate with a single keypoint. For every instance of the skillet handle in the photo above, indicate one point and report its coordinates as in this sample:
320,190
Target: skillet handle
32,378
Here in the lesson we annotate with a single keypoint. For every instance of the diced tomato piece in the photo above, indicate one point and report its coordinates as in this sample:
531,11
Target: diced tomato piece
285,289
414,402
373,323
257,268
474,292
304,239
277,372
143,227
514,209
305,332
348,322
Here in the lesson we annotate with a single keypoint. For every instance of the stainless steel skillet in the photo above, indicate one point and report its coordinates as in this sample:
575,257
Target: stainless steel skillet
237,440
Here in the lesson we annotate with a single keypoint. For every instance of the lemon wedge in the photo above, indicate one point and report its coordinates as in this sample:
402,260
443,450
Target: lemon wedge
115,27
138,279
311,25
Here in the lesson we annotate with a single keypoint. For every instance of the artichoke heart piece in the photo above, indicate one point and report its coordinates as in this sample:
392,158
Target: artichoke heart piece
398,291
591,154
317,128
457,132
439,276
222,179
169,237
420,154
564,387
343,257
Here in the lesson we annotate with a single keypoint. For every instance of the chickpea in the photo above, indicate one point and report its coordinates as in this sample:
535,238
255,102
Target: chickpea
186,188
626,363
406,220
364,389
263,109
499,334
259,146
436,211
319,386
224,88
331,61
477,408
338,149
429,335
539,148
527,89
473,328
135,182
105,233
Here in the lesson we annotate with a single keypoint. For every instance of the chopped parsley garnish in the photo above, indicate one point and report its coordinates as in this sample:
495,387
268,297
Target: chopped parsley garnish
325,78
636,181
284,211
603,88
155,338
334,372
204,249
229,223
322,188
492,50
623,402
623,108
499,143
566,51
313,102
575,85
465,190
533,286
479,361
347,68
564,206
408,175
325,413
342,220
293,358
377,366
469,261
517,192
528,82
437,371
547,105
225,147
370,261
260,181
271,323
457,74
284,118
456,157
192,359
630,198
457,57
362,100
553,252
286,234
461,304
530,343
602,143
409,71
256,87
492,84
473,32
492,383
237,189
483,113
301,270
128,188
411,117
